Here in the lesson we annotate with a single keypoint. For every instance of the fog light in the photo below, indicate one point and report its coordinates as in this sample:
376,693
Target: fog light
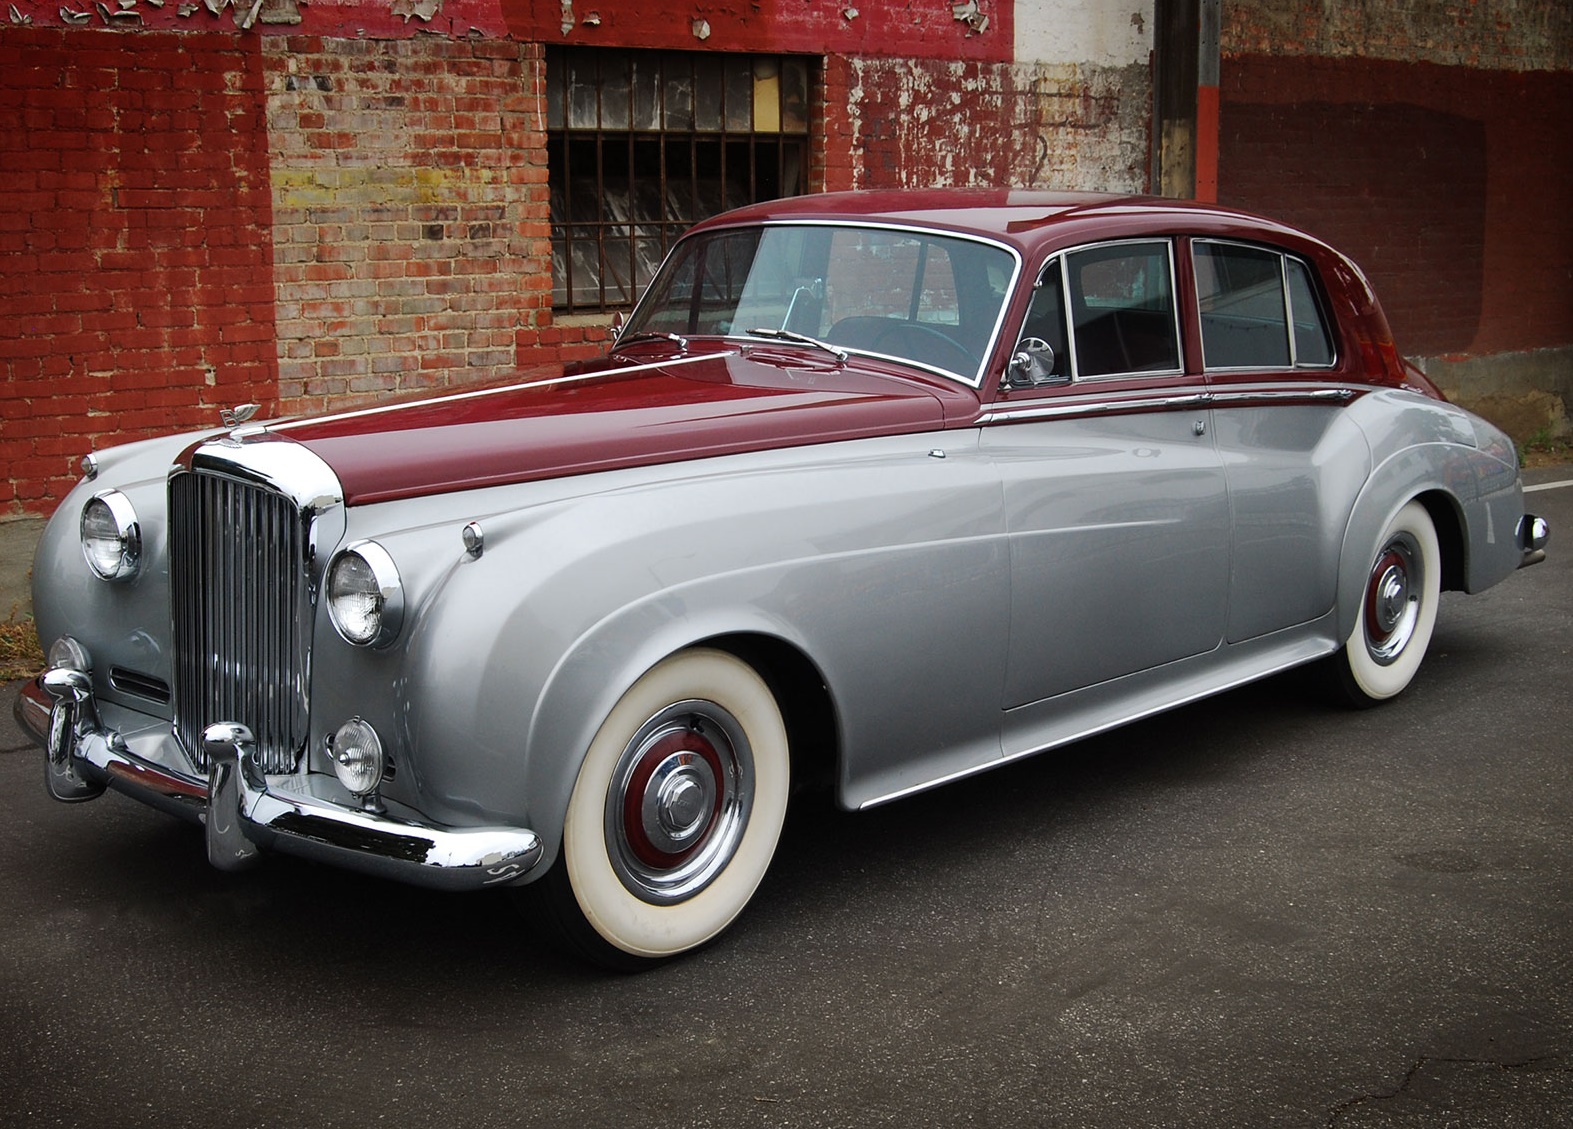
357,757
65,653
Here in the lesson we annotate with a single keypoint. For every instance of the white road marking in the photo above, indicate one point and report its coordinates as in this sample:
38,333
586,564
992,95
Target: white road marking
1549,486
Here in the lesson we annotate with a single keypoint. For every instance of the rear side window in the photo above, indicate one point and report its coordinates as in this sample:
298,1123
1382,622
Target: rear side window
1258,309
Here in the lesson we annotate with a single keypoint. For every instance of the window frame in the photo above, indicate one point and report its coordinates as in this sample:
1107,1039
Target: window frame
674,155
1318,302
1061,259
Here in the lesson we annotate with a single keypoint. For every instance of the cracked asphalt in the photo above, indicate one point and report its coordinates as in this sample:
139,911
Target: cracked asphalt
1254,911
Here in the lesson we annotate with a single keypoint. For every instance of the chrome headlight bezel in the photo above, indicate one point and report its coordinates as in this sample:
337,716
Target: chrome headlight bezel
109,522
364,594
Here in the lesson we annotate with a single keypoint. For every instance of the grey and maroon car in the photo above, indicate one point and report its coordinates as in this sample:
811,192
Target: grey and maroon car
873,490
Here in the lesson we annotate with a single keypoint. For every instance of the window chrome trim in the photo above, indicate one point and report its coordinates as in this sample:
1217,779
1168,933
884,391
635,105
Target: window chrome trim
1063,256
1284,258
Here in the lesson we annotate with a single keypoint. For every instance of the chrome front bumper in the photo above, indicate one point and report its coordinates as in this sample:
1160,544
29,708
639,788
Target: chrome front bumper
246,812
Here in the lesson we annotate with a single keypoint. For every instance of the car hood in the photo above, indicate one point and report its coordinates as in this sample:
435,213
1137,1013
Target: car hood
619,413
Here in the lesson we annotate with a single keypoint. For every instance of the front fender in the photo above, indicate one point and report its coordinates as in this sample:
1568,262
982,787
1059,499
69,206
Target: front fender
519,655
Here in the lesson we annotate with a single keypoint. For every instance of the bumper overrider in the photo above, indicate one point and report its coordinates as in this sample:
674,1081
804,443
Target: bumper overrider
246,813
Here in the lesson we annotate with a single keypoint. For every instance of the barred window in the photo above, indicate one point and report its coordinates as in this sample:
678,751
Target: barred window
643,144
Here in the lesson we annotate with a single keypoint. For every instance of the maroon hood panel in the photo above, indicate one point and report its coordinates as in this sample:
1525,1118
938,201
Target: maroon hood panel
615,416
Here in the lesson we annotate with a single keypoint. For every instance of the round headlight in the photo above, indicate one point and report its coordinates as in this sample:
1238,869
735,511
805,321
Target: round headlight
365,597
357,756
111,536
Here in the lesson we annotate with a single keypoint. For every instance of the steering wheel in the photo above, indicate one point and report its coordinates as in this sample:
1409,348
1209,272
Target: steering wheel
921,343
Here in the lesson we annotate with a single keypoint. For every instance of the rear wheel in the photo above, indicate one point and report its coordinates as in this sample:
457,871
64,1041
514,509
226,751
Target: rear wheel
1397,611
674,816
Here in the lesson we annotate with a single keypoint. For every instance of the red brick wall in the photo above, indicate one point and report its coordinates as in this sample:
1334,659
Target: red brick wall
1452,187
135,248
410,212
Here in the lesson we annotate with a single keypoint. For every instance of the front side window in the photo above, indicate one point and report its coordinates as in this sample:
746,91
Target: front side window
1122,309
934,300
1258,309
643,144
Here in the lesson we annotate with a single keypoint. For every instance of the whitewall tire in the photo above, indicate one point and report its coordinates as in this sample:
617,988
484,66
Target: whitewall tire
1398,604
675,814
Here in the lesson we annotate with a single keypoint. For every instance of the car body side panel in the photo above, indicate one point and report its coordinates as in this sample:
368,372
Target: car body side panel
1119,546
1294,472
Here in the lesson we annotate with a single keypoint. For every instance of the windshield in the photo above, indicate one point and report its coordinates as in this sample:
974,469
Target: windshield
933,300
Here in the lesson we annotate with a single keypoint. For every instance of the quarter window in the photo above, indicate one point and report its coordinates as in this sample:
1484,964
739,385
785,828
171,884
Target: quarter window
643,144
1250,298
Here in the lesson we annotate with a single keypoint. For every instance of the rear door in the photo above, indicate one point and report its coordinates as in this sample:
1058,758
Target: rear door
1294,464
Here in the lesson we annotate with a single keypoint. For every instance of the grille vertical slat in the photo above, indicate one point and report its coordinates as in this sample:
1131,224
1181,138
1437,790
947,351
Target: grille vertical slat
237,555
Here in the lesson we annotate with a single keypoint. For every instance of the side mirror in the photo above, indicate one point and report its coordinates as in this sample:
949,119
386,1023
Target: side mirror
1033,365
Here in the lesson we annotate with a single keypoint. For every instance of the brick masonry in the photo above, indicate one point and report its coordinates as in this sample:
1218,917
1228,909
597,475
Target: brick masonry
410,212
135,244
1433,141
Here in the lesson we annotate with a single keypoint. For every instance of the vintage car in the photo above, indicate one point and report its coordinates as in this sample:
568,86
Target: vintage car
873,491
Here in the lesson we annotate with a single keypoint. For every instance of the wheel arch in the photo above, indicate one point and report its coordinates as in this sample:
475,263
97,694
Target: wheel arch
588,682
1448,518
1415,474
801,692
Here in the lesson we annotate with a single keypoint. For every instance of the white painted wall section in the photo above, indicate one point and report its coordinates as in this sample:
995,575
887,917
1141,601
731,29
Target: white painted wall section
1112,33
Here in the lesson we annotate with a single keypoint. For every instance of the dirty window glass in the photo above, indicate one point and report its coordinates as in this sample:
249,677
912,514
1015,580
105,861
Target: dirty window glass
1122,309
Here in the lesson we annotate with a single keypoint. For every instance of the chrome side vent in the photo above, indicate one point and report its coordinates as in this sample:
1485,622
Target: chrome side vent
240,600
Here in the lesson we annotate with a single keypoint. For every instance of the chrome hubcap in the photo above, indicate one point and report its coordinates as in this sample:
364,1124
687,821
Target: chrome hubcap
1392,599
679,801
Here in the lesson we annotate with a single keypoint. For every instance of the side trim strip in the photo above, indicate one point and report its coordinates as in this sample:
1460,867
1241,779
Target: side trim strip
1086,406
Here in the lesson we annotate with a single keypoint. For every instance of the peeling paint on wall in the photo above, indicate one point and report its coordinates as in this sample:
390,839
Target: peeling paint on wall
921,124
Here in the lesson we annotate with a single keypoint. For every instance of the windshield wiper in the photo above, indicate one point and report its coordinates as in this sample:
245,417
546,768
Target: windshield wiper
654,335
801,339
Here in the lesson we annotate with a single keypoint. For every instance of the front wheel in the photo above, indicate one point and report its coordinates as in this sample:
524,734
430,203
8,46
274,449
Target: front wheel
1397,611
674,816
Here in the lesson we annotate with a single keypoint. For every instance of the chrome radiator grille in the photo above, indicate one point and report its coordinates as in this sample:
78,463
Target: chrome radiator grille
239,598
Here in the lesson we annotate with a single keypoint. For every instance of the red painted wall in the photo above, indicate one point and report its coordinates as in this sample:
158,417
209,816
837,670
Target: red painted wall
135,243
1452,187
923,29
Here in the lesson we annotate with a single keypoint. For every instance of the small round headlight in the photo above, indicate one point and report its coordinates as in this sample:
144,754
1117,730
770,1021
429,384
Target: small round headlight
365,597
357,756
111,536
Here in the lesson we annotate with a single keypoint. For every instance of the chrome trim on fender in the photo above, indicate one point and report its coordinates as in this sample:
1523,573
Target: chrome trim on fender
245,812
1147,402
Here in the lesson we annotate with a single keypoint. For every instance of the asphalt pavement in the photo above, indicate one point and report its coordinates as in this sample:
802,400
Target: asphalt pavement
1256,911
